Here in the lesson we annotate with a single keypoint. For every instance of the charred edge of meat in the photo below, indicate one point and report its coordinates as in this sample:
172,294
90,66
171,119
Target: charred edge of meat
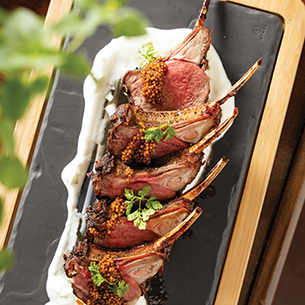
102,219
105,164
130,115
79,250
126,136
108,163
83,253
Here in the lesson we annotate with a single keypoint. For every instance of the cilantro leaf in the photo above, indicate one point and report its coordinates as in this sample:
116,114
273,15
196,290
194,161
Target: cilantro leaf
141,215
96,276
148,54
157,133
118,287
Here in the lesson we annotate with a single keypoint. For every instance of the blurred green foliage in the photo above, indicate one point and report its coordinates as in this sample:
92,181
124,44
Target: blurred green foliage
25,47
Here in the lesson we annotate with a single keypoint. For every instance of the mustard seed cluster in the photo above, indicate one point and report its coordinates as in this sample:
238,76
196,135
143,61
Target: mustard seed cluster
153,75
139,150
101,295
117,209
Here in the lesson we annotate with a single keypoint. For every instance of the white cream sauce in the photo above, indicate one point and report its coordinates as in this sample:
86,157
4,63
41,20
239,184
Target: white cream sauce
109,65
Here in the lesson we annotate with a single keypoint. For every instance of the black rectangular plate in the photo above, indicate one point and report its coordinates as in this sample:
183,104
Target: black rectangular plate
241,36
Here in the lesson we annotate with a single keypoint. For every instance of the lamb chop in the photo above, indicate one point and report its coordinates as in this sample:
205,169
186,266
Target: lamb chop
180,77
88,266
129,124
166,176
108,226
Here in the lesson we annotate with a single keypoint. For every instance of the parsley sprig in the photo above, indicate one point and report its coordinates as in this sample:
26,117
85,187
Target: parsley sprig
148,54
118,287
157,133
141,215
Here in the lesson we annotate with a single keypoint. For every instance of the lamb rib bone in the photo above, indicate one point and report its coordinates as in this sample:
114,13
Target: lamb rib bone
136,266
166,176
191,124
189,57
124,234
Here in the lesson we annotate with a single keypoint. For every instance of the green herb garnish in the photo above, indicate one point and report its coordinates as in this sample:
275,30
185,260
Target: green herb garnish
157,133
118,287
148,54
141,215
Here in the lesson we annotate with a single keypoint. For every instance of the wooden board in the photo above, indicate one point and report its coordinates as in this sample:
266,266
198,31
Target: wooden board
293,16
27,129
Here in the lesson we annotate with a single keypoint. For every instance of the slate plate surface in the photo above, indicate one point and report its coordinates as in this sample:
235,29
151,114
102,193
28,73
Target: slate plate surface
241,36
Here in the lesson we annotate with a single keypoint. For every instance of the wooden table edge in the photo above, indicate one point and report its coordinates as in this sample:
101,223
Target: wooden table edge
27,129
293,16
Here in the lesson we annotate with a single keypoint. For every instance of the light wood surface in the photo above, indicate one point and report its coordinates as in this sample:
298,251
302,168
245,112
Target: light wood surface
293,14
27,129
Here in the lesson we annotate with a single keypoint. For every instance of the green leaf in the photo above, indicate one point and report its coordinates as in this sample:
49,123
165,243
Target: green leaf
96,276
1,210
14,98
123,287
119,288
75,65
137,222
146,190
115,4
12,59
24,26
133,216
3,16
6,259
145,215
98,279
129,22
156,205
149,211
157,133
140,216
142,225
7,134
148,54
12,173
39,85
129,207
129,194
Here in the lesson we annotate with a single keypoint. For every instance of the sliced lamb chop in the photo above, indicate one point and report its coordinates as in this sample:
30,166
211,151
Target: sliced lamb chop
191,124
106,227
166,176
185,83
134,266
